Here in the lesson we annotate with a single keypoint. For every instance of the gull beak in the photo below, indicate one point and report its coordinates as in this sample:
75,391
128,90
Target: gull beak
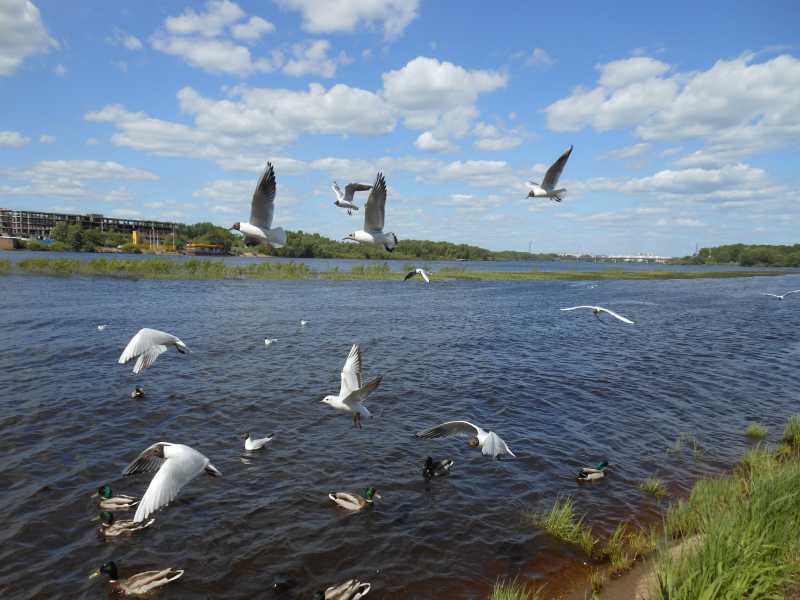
94,574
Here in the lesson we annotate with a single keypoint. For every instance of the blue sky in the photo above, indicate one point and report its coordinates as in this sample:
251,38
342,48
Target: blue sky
685,117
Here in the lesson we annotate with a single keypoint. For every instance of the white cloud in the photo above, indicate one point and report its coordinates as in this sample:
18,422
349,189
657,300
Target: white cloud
226,190
429,142
539,58
327,16
13,139
252,30
633,151
620,73
60,70
46,139
122,38
491,138
22,34
212,55
311,58
218,15
126,213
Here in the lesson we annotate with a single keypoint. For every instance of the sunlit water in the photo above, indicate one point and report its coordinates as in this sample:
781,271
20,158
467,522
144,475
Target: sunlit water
704,359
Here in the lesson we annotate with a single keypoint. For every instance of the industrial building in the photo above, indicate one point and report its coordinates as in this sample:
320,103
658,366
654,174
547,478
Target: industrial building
37,225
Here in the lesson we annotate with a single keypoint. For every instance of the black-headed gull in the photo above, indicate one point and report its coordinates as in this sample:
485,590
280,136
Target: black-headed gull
251,444
489,442
598,310
345,200
176,465
781,296
374,217
421,272
259,228
147,345
546,189
353,392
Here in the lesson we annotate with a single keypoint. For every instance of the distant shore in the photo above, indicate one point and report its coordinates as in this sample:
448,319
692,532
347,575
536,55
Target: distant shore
157,268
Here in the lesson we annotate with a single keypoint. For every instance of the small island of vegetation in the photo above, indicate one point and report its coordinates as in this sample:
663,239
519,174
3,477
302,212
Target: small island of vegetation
745,255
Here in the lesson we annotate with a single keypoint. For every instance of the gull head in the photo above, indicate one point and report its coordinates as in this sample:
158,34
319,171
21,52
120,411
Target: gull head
329,399
371,494
235,226
244,435
473,442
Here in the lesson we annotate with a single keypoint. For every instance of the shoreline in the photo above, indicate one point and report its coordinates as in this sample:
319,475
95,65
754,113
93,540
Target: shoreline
204,270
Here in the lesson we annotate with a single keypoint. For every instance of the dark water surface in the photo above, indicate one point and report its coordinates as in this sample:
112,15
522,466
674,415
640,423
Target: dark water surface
704,359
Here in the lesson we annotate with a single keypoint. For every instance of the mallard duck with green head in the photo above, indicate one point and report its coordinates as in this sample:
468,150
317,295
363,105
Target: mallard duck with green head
139,585
349,590
593,473
110,527
355,502
108,501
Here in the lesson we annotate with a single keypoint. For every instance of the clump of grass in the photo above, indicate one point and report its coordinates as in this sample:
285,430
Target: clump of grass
756,431
791,433
597,579
563,523
617,551
514,590
653,486
5,265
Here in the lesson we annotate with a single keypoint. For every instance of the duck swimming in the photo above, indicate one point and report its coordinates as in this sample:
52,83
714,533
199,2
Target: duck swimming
110,527
139,585
352,589
110,502
593,473
354,502
437,469
137,393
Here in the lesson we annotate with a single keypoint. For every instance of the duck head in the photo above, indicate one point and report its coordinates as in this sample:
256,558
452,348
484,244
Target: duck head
107,518
371,494
109,568
104,491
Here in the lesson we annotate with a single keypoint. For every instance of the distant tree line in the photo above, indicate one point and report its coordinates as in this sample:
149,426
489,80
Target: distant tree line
746,255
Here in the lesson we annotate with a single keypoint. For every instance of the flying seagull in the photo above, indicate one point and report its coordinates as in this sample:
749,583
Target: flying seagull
147,345
421,272
547,188
176,465
374,213
261,209
490,443
597,310
353,391
781,296
345,200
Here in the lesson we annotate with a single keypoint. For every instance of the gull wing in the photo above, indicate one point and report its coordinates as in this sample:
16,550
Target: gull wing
148,461
615,315
449,429
145,339
337,190
374,210
359,395
352,373
554,172
424,275
494,446
175,472
148,357
263,204
577,307
409,275
792,292
352,188
773,295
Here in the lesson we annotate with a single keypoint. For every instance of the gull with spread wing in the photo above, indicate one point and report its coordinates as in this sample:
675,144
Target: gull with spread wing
781,296
353,391
489,442
345,200
259,229
374,216
598,310
546,189
175,466
421,272
147,345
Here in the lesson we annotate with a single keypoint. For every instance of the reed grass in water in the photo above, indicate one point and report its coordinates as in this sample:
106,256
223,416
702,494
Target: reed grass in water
564,524
756,431
514,590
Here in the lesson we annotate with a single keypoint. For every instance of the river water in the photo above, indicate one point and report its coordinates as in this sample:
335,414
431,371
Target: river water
704,359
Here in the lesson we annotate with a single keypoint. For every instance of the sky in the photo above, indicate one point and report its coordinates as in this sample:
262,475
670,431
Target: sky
684,116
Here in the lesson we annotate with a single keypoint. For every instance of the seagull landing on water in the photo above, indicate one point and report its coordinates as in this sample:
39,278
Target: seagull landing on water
345,200
147,345
781,296
262,207
421,272
489,442
546,189
176,465
597,310
353,391
374,217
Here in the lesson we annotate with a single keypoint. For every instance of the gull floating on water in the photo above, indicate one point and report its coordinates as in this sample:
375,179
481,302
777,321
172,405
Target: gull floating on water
374,216
101,327
262,207
255,444
547,188
176,465
345,200
421,272
597,310
490,443
270,341
303,322
147,345
353,391
781,296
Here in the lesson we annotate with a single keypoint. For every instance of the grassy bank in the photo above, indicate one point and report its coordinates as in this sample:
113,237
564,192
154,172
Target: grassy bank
5,266
159,268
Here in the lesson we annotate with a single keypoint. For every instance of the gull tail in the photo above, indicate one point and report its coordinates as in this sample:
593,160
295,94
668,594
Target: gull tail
277,237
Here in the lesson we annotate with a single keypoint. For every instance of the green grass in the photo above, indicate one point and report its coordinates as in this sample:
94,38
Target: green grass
791,433
5,266
740,531
514,590
564,524
159,268
756,431
653,486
